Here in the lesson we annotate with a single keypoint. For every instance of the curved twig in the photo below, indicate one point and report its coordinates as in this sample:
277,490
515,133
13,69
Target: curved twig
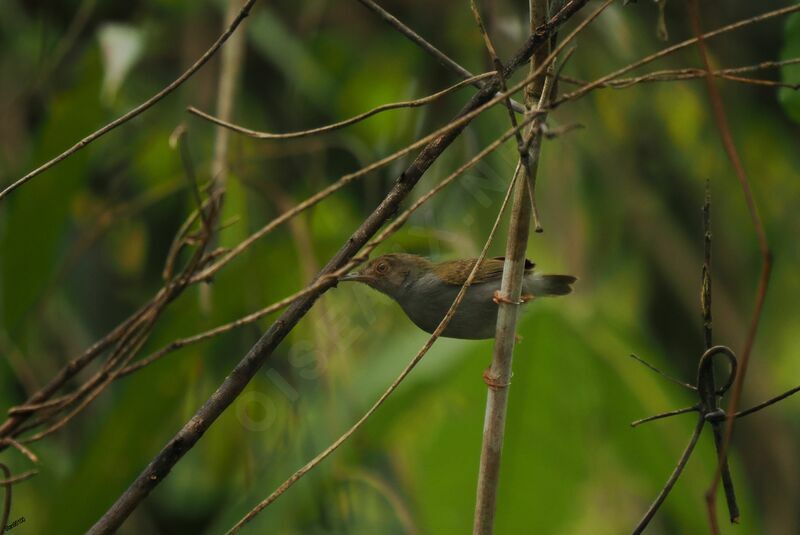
663,374
341,124
676,473
667,414
767,403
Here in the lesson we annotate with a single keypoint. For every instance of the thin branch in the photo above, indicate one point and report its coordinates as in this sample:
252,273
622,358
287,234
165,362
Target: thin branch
138,109
670,75
672,49
341,124
179,140
19,478
765,404
537,61
104,379
676,412
440,56
663,374
227,84
127,339
673,478
69,371
22,449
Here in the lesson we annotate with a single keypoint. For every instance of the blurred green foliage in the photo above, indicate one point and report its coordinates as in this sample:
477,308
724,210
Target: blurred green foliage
82,246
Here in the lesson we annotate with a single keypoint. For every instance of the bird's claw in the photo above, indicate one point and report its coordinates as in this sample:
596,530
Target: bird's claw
498,298
492,382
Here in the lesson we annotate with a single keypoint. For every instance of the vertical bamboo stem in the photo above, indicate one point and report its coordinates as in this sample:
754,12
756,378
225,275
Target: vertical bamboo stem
499,374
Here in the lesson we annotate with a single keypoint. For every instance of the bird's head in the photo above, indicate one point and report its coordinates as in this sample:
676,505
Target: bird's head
391,274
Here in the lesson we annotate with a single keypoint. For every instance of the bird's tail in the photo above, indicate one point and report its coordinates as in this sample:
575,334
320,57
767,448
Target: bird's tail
552,284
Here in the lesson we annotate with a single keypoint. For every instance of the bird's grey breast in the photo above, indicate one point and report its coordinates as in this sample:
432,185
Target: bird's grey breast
428,299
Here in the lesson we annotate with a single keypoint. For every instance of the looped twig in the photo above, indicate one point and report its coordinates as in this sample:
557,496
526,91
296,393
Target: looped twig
706,406
704,367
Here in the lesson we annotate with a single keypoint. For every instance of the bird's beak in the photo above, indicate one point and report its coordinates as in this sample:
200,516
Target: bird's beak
353,276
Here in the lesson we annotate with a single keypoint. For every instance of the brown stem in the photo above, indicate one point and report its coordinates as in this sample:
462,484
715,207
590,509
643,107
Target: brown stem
499,375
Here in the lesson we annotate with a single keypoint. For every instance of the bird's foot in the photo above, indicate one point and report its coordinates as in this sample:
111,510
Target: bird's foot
493,382
498,298
527,297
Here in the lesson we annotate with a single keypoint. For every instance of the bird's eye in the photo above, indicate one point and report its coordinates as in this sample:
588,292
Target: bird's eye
381,267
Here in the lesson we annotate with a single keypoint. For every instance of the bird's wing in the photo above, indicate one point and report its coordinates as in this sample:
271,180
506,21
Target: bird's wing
456,271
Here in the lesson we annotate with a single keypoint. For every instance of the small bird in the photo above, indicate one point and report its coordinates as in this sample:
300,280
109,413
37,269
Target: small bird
426,290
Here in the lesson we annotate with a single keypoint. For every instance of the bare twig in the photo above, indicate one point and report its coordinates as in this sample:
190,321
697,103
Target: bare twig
673,478
178,140
663,374
670,75
138,109
672,49
127,338
341,124
68,372
19,478
499,374
667,414
227,83
22,449
464,118
767,403
440,56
